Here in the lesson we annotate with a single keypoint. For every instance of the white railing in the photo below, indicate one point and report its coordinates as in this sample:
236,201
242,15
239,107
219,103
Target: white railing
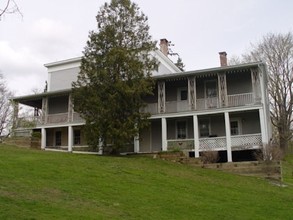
182,144
248,141
212,144
240,99
77,118
207,103
57,118
177,106
151,108
29,121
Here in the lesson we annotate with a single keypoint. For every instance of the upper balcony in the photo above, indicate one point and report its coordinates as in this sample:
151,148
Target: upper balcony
206,91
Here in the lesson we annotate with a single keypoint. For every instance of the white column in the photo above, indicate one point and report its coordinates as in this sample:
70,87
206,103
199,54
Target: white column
264,133
100,146
43,138
70,138
196,136
136,144
164,134
228,136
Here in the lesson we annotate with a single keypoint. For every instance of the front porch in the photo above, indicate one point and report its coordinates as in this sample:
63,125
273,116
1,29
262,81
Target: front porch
226,132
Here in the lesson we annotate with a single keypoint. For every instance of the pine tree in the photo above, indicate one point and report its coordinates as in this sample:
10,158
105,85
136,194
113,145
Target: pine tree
179,63
115,75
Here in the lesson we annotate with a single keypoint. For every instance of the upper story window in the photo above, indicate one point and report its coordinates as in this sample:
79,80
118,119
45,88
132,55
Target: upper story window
182,94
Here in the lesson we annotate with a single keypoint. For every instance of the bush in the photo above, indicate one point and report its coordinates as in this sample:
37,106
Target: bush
269,153
210,157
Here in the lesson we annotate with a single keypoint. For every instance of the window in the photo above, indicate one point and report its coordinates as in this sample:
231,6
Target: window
58,138
211,89
182,94
181,130
76,136
235,127
204,128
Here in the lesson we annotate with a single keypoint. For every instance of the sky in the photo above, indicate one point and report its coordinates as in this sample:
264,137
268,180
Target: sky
55,30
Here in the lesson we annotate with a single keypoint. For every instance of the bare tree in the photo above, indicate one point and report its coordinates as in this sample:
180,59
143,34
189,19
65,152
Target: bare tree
276,50
9,7
5,106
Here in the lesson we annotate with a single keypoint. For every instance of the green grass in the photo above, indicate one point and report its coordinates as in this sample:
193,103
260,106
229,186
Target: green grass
46,185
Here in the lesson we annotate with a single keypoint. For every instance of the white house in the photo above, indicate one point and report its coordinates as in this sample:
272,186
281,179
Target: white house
221,109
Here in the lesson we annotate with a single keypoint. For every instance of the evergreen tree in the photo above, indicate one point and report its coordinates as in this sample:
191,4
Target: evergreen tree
115,75
179,63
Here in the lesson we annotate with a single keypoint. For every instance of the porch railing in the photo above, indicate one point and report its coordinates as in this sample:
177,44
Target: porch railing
238,142
240,99
177,106
212,144
242,142
57,118
181,144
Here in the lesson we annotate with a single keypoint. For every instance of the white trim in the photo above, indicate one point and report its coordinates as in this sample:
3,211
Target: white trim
165,61
164,134
196,136
70,138
43,138
264,134
228,137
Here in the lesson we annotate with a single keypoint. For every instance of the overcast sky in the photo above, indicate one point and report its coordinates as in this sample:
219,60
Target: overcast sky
58,29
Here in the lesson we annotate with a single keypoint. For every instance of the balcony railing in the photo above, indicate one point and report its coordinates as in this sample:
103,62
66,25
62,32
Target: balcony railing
177,106
240,99
202,104
57,118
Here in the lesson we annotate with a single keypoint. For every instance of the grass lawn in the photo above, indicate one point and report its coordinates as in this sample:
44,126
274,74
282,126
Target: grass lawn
48,185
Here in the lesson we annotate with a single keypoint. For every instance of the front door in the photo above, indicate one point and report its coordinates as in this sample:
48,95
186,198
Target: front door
211,94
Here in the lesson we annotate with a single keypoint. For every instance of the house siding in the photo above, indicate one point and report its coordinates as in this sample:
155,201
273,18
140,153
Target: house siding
62,79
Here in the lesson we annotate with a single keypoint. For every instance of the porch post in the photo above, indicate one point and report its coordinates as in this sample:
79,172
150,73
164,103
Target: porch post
222,84
192,92
264,133
136,144
164,134
15,114
100,146
196,137
70,138
70,109
44,110
161,97
43,138
228,136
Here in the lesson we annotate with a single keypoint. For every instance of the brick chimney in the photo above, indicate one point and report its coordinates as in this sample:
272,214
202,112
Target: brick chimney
223,58
164,44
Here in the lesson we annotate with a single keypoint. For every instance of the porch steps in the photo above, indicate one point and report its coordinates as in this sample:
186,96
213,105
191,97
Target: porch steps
268,170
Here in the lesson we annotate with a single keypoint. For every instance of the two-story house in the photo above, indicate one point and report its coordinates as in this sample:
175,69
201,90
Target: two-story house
222,109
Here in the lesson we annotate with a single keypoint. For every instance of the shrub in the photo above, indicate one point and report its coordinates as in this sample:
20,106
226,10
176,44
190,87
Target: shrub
210,157
269,153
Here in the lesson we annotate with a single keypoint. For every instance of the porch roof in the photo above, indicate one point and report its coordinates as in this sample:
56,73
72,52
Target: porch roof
35,100
209,71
